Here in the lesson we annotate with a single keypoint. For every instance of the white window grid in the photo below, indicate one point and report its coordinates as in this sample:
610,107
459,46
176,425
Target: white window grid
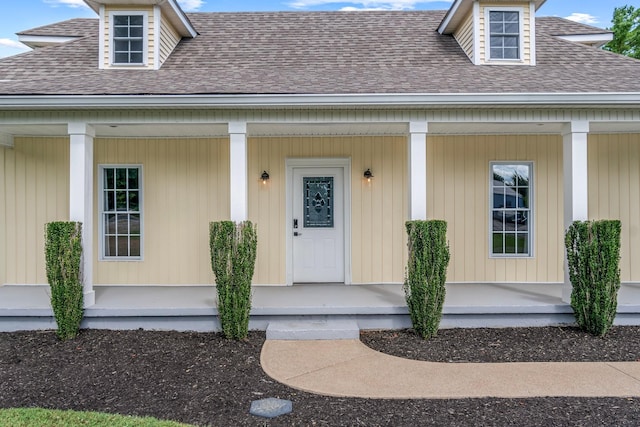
128,38
504,34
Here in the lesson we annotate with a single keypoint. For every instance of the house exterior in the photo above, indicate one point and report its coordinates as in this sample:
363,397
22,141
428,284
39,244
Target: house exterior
147,123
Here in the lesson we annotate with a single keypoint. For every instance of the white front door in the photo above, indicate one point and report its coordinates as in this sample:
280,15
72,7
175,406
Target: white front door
318,225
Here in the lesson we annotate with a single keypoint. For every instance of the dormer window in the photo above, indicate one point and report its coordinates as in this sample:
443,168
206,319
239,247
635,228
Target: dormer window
505,34
129,38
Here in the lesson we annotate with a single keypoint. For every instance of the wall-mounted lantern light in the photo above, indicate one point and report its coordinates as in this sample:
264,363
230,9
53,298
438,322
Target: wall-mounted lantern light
264,177
368,175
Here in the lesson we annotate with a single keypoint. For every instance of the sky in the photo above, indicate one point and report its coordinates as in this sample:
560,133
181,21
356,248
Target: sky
20,15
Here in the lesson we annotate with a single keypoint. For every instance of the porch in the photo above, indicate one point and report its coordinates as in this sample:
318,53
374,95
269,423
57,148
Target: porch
374,306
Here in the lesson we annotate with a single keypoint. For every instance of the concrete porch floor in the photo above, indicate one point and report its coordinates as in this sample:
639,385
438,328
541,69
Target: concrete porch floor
372,306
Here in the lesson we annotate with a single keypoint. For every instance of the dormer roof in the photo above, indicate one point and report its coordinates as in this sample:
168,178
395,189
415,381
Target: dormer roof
169,8
460,9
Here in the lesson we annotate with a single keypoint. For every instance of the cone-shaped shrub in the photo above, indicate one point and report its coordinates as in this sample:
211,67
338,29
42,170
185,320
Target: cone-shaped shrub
233,256
426,274
63,254
593,258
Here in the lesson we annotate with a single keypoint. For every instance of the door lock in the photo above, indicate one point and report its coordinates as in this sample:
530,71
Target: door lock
295,233
295,223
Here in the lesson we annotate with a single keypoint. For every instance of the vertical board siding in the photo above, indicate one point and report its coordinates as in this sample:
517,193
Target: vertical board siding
185,186
378,209
36,188
169,39
464,36
526,29
458,192
614,192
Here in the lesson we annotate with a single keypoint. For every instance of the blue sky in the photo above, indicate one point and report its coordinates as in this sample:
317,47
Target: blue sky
19,15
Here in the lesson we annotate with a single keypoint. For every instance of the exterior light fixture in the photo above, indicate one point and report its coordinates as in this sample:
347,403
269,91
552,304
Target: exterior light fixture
368,175
264,177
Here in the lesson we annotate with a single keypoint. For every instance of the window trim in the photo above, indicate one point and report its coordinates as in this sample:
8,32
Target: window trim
487,34
145,38
532,213
101,213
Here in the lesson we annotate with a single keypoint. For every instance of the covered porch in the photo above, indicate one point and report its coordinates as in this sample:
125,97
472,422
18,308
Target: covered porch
374,306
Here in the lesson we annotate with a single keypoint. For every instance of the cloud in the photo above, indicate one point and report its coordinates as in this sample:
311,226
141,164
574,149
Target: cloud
190,5
364,4
583,18
12,44
69,3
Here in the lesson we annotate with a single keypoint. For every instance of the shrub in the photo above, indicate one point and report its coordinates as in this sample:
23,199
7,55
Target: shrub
426,274
593,258
233,255
63,252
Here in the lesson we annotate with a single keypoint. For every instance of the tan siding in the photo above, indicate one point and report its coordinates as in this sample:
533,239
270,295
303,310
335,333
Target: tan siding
3,218
378,209
36,173
614,192
150,33
458,192
464,36
526,54
185,186
169,39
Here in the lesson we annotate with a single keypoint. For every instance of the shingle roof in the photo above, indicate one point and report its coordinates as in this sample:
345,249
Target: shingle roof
564,27
77,27
321,53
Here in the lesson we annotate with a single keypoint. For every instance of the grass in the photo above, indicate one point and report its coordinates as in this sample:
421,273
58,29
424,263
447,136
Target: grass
37,417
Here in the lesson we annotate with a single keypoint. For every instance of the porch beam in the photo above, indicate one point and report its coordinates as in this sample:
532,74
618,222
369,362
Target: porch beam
81,137
576,177
418,170
238,171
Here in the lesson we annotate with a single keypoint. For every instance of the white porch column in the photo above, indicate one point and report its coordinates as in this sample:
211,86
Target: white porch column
576,177
238,171
81,198
418,170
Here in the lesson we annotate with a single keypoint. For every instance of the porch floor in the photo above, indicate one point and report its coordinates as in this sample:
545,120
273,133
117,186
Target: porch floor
373,306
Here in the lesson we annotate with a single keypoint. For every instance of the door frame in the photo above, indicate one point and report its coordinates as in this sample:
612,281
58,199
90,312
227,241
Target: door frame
330,162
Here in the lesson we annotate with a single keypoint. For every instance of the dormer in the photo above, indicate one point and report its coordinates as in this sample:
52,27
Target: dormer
139,34
494,32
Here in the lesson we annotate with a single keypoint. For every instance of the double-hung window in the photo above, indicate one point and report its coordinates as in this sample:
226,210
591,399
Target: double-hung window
128,39
504,34
121,212
511,208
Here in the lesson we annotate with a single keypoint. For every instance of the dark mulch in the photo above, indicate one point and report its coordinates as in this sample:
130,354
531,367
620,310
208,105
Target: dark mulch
206,380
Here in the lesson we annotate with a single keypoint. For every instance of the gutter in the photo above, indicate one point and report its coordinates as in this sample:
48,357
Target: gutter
323,101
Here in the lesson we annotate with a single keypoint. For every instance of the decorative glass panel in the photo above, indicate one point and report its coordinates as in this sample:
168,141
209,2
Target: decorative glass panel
318,202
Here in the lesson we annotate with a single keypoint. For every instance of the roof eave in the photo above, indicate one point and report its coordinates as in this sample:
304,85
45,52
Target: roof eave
320,101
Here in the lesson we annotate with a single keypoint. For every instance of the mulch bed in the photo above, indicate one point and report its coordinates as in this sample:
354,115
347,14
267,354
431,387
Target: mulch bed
203,379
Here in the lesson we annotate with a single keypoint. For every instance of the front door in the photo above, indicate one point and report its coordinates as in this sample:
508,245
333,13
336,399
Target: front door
318,225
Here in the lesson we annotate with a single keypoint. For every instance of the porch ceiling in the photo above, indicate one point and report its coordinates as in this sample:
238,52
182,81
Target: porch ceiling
194,130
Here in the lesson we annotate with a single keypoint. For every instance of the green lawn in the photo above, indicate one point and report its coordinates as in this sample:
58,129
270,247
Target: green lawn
36,417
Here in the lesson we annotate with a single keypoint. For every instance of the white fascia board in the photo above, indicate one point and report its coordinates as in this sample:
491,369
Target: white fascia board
597,40
314,101
181,19
41,41
451,13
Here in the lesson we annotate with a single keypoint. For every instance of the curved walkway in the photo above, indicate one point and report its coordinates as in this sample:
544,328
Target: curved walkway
348,368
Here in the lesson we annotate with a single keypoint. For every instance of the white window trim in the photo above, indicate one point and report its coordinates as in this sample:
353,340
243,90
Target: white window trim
101,169
532,213
487,34
145,38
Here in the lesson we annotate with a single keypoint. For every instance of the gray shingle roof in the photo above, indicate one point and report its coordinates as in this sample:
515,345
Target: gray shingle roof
77,27
321,53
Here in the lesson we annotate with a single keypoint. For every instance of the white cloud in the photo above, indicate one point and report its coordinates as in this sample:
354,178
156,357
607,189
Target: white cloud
70,3
354,9
364,4
583,18
190,5
12,44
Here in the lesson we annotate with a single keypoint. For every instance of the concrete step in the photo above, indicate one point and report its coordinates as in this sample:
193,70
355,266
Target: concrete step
329,329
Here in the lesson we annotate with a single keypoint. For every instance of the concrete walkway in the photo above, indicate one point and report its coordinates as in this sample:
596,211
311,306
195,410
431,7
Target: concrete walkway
348,368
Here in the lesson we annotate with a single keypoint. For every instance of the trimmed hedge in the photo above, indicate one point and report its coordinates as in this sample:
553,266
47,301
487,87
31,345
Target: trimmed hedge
63,254
233,256
426,274
593,258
